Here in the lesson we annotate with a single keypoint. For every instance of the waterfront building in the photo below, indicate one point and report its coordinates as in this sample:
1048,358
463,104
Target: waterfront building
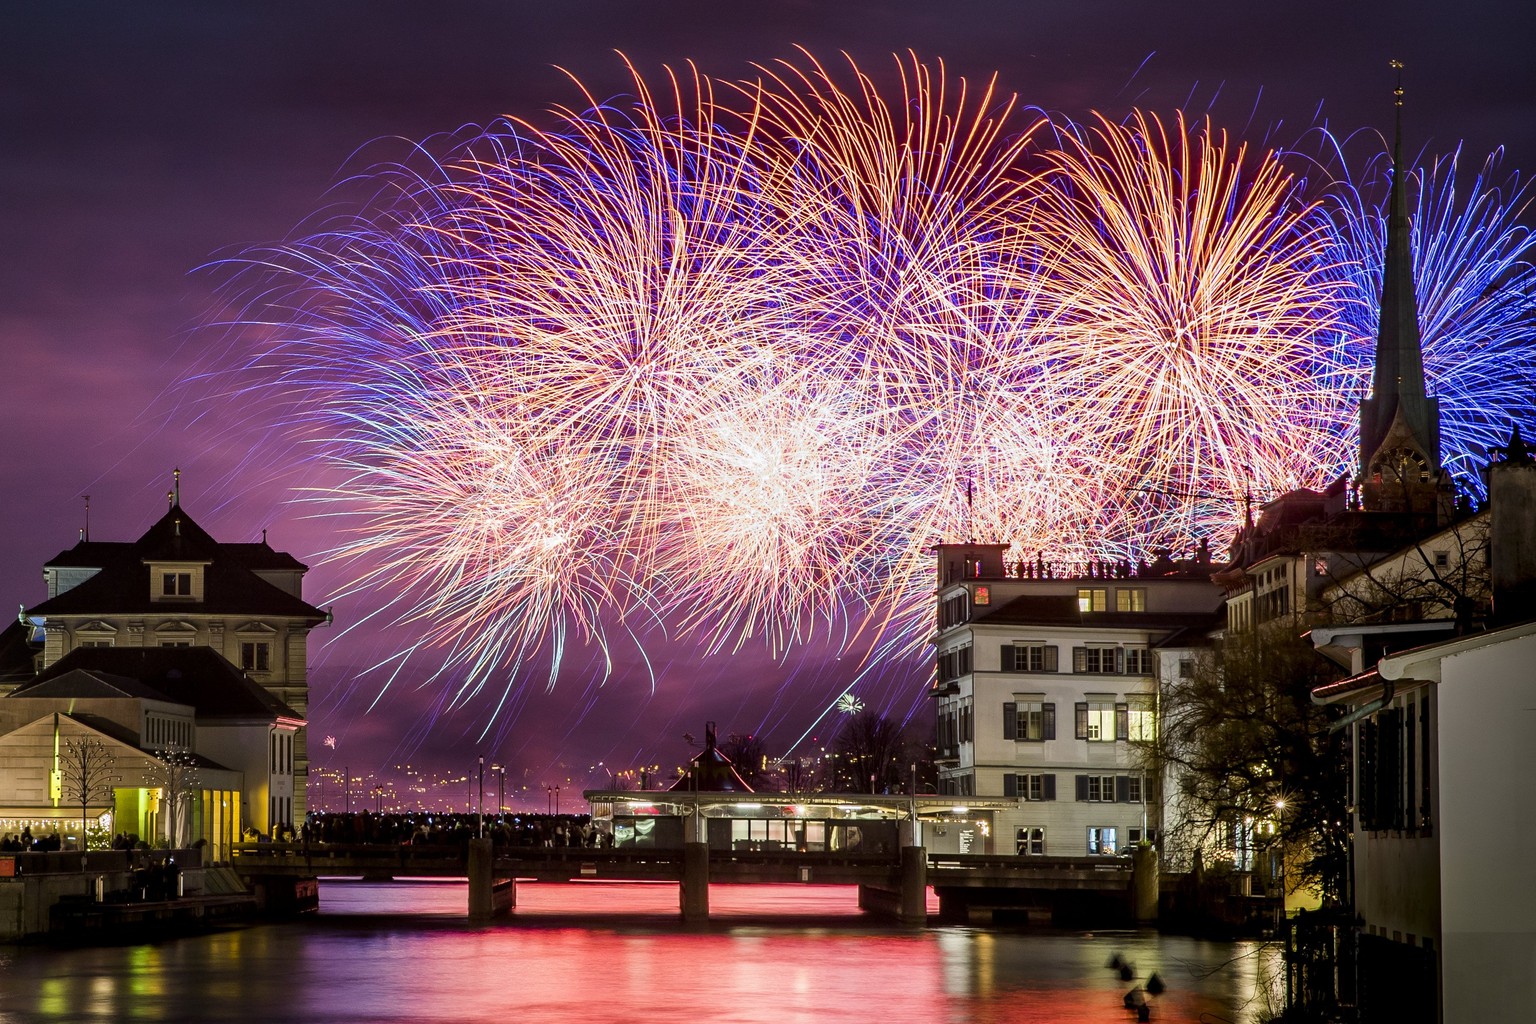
189,642
143,707
1046,691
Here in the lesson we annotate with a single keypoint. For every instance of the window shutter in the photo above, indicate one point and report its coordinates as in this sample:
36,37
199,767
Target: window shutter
1010,720
1122,721
1048,719
1009,664
1366,769
1119,661
1081,714
1079,659
1050,658
1049,787
1010,785
1082,787
1122,789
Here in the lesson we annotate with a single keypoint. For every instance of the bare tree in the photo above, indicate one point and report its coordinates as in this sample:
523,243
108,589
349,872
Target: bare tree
1253,759
750,759
874,755
1443,575
87,771
174,773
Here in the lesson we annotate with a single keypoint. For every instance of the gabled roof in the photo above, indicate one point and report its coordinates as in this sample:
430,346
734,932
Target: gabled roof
123,586
195,676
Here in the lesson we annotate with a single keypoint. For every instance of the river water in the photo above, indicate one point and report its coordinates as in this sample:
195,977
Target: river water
601,952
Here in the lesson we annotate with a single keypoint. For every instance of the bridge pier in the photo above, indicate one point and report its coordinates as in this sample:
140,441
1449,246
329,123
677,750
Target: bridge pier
489,896
914,886
693,892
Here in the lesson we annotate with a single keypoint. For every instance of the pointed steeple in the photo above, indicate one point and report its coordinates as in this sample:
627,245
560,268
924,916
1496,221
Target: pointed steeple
1399,413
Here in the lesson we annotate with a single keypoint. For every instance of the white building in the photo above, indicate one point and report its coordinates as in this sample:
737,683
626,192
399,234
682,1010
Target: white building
1047,685
176,587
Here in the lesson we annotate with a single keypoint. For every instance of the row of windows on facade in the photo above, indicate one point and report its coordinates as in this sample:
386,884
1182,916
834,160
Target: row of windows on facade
1029,841
957,609
1090,659
1087,788
1119,789
1097,721
1394,755
255,655
1094,720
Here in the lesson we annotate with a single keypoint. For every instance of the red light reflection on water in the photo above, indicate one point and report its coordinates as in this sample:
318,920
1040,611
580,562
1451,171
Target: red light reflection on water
594,953
615,951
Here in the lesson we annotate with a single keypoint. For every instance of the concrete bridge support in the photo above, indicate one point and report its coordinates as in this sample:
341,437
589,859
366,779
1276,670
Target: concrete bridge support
489,897
693,893
914,886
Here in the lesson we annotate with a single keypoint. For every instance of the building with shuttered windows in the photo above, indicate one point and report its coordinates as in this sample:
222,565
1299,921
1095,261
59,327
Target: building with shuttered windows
1046,690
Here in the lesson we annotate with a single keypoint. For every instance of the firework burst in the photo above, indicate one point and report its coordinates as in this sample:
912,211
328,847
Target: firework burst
722,361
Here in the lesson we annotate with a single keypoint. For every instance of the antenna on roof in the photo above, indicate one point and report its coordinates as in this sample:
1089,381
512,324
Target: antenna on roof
85,534
263,534
176,474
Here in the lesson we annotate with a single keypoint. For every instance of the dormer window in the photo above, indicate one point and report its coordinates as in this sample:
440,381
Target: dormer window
179,582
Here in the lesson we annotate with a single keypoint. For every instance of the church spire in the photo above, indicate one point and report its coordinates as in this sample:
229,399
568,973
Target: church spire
1399,412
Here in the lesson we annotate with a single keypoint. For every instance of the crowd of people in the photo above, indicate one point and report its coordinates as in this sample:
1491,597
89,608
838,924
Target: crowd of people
25,842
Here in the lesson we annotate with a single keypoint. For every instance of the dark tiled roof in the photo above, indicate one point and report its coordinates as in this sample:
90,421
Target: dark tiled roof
260,557
17,653
123,586
1062,610
196,676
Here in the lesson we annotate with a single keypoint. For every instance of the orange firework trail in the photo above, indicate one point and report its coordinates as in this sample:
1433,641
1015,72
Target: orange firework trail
722,362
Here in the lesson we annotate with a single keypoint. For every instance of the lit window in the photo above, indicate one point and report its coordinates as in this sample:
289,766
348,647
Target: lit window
1092,599
1141,722
983,595
1030,842
1101,842
1129,599
1096,721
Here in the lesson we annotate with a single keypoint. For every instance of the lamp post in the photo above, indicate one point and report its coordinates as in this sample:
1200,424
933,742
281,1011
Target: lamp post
346,789
480,817
501,778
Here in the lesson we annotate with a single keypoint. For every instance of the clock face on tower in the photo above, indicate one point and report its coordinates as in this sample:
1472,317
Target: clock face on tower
1401,465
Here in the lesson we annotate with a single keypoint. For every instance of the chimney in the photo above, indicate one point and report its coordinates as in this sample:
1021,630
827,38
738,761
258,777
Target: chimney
1512,532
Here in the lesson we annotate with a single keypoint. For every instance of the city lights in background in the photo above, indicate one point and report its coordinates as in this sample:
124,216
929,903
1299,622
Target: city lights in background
718,363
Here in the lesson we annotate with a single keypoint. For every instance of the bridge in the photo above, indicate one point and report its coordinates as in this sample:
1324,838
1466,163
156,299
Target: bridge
889,885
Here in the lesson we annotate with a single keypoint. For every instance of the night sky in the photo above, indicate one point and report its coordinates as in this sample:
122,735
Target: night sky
142,140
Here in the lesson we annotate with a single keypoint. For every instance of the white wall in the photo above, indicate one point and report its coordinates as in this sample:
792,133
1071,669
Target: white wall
1488,831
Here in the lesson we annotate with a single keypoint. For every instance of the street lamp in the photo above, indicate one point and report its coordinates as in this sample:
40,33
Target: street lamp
501,778
480,818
